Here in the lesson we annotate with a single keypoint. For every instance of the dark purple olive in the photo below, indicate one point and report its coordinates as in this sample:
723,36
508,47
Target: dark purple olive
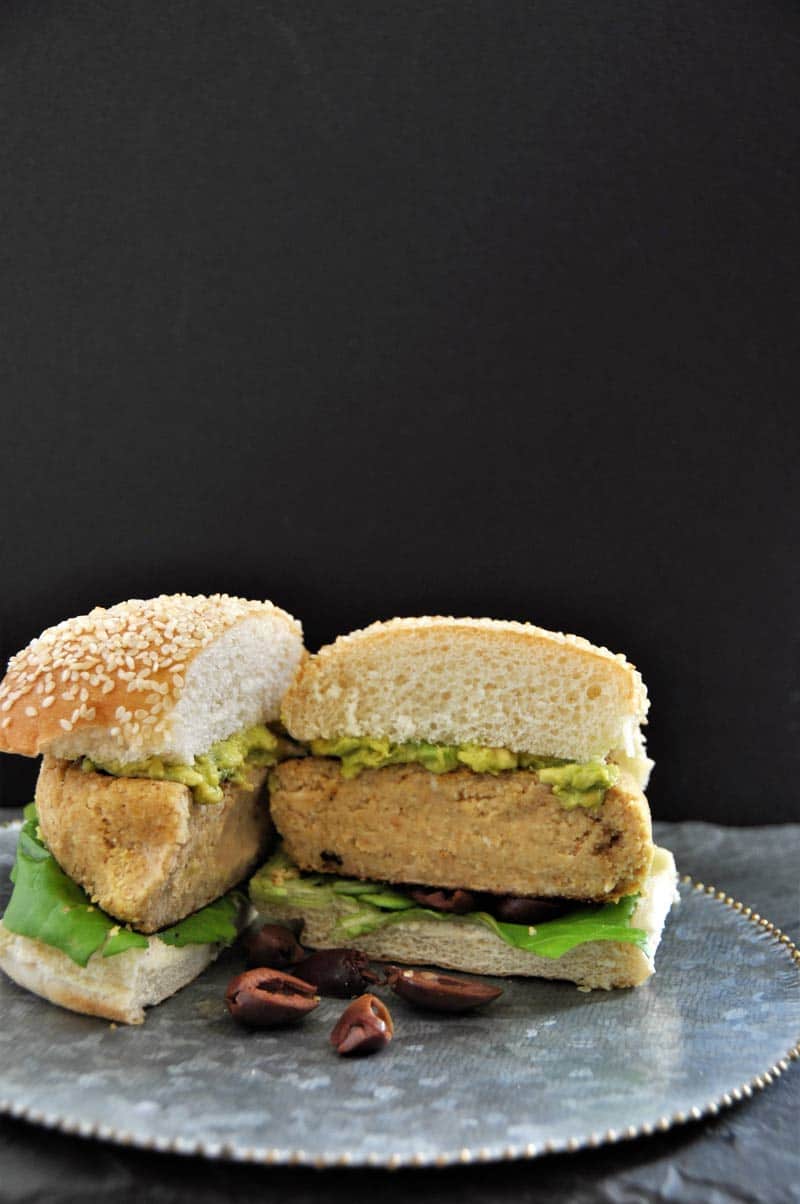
517,909
440,992
273,945
364,1027
440,899
340,973
263,998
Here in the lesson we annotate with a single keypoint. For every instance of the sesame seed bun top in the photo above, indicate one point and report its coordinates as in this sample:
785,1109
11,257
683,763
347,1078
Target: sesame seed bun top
162,676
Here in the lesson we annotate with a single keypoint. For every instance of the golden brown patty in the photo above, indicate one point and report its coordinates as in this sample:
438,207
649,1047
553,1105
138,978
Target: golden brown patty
506,833
144,850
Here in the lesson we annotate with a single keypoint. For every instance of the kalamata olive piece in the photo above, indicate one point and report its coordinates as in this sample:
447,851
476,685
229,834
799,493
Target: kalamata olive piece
340,973
364,1027
263,998
440,899
272,945
440,992
517,909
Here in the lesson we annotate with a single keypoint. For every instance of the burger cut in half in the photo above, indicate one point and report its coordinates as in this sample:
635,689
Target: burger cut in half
157,723
474,800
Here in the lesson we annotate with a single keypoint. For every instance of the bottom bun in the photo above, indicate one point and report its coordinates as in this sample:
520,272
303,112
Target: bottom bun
475,949
116,988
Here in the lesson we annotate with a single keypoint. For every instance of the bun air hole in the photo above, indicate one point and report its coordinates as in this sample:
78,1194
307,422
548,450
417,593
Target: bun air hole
593,691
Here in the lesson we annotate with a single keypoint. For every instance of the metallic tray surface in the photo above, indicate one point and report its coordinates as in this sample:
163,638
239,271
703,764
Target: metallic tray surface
545,1068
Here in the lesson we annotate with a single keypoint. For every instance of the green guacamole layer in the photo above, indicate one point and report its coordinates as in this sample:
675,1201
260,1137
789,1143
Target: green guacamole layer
575,783
226,761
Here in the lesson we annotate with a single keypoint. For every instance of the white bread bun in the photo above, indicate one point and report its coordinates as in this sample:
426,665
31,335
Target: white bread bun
473,681
164,677
455,945
116,988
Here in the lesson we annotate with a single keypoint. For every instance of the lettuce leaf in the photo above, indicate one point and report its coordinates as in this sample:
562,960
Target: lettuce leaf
213,924
48,906
363,907
603,922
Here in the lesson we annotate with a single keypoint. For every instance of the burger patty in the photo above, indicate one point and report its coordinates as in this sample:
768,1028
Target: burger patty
505,833
144,850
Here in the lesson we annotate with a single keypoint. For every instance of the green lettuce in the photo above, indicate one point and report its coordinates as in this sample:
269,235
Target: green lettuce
211,925
48,906
363,907
603,922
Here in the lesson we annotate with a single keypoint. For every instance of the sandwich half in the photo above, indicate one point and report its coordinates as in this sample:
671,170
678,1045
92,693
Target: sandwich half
473,799
157,721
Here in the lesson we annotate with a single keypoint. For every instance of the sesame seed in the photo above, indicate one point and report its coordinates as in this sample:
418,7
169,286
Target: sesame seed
30,712
149,643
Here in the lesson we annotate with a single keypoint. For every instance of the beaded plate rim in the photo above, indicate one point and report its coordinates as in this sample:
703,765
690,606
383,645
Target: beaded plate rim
466,1156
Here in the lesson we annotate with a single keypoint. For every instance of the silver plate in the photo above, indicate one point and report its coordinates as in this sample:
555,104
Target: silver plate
545,1068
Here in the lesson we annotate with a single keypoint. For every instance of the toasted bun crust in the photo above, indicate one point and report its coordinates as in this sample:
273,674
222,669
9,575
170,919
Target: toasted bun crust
115,988
480,681
457,946
167,677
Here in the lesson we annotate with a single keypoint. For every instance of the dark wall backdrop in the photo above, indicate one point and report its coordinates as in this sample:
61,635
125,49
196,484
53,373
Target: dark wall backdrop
377,309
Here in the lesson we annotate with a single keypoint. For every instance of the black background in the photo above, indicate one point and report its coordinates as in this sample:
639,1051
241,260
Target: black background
384,309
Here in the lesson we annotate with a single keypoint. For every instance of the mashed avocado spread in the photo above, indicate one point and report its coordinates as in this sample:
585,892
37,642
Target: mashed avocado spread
575,783
226,761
